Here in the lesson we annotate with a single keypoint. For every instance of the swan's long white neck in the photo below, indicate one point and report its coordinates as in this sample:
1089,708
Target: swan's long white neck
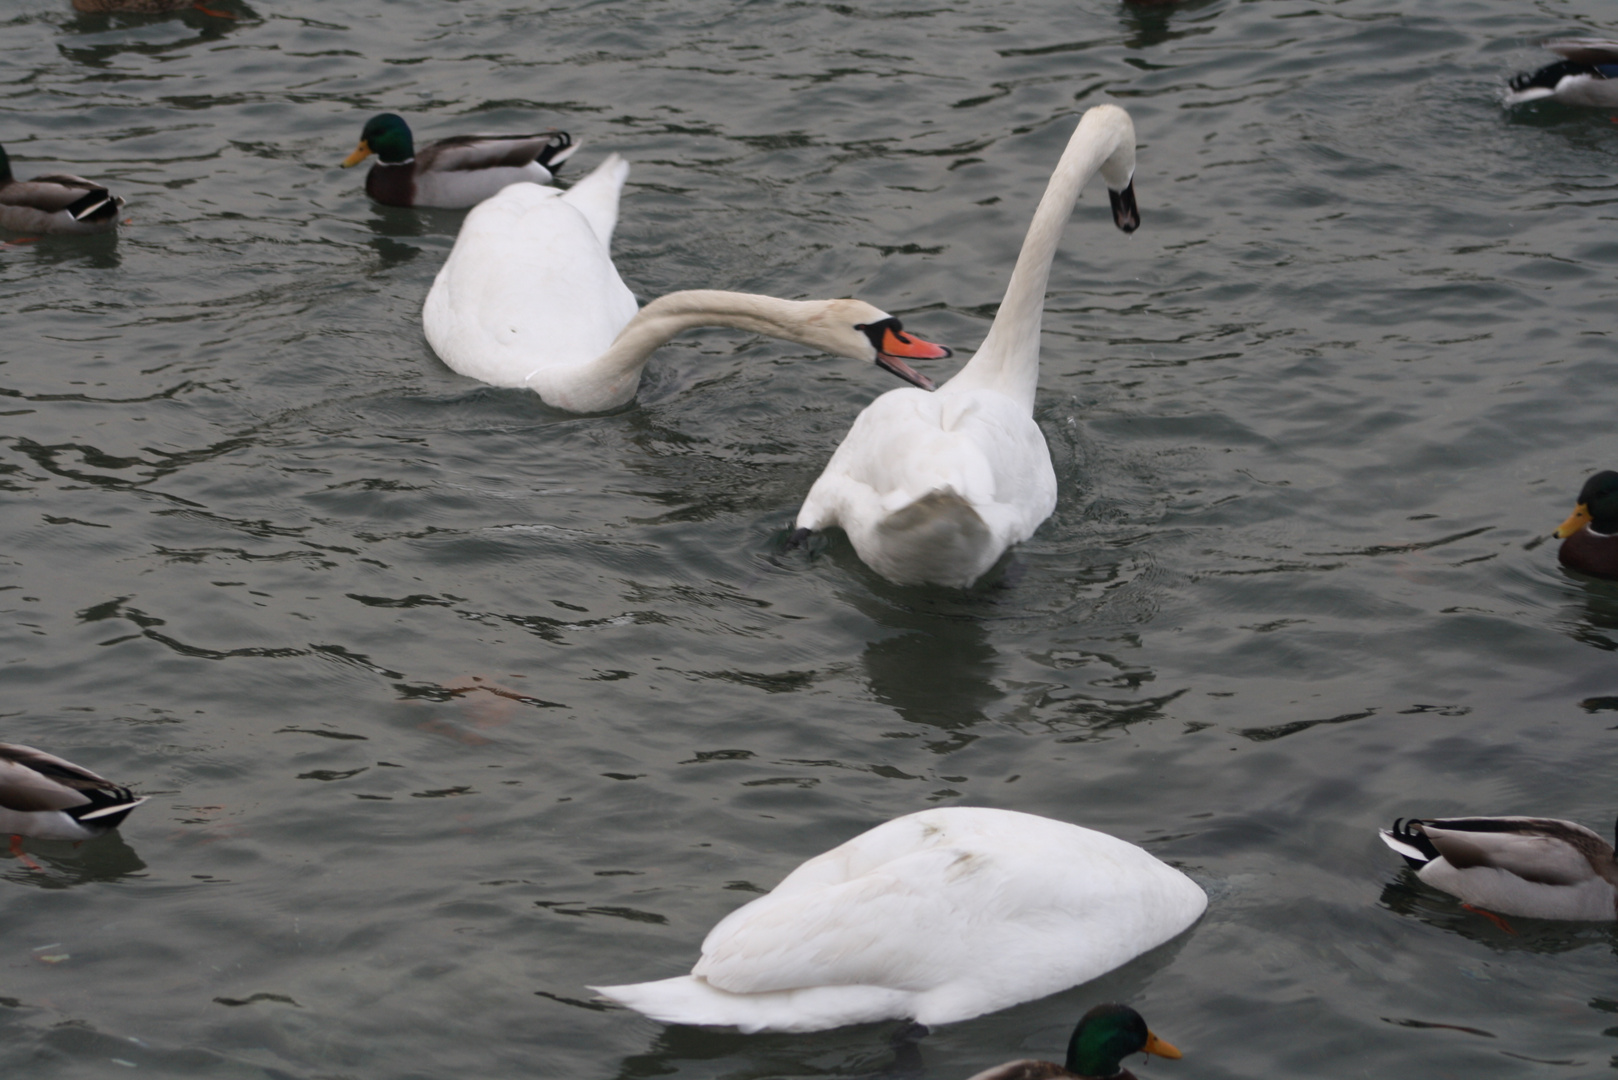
616,372
1008,359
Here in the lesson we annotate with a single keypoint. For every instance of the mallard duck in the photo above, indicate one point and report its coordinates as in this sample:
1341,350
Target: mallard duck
933,488
529,297
1590,534
42,795
58,203
1540,868
1588,75
937,916
1105,1036
456,172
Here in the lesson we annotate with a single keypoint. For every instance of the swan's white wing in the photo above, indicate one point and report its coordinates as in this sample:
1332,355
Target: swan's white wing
596,196
528,287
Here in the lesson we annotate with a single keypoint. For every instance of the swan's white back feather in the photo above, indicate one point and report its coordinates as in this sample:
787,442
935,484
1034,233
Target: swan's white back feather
530,290
911,451
939,916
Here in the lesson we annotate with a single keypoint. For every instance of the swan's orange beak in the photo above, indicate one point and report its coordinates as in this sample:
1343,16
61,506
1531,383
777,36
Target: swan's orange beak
1575,521
894,346
361,152
1157,1046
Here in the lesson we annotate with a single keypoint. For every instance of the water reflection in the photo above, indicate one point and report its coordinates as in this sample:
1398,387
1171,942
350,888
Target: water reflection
1594,620
222,17
1408,895
97,251
1149,21
878,1053
66,864
937,667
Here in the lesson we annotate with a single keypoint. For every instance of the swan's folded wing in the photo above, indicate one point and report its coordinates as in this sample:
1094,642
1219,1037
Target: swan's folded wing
903,927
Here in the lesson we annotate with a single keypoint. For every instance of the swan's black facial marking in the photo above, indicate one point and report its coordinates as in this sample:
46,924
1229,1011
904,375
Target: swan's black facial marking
878,330
888,338
1125,214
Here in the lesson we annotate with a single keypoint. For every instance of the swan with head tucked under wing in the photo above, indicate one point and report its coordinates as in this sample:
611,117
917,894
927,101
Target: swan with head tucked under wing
529,297
933,488
937,916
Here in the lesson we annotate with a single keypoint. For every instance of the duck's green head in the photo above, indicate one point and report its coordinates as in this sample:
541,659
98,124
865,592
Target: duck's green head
1106,1035
1597,507
388,137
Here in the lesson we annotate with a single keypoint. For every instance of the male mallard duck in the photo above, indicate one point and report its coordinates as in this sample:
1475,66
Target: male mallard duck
1540,868
456,172
1590,534
530,297
1105,1036
1588,75
59,203
937,916
42,795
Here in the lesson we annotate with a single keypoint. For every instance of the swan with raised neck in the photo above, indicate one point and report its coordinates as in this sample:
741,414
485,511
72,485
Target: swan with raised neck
934,488
529,297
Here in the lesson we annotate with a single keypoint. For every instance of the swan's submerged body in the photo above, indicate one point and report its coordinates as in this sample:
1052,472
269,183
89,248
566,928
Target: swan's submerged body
935,490
529,297
937,916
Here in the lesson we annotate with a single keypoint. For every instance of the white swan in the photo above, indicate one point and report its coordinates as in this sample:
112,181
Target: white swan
934,487
937,916
529,297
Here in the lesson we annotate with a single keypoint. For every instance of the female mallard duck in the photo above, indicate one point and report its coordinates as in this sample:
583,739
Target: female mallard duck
1105,1036
1587,76
456,172
59,203
1590,534
937,916
529,297
42,795
1540,868
933,488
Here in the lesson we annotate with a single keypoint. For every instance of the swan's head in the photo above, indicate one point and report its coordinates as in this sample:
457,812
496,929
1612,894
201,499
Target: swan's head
1118,170
388,137
856,329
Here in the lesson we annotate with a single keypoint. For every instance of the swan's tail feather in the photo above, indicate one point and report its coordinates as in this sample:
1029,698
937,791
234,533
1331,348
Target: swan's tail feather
596,196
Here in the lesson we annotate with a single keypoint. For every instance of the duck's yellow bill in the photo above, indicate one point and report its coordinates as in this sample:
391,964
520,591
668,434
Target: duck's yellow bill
361,152
1157,1046
1575,521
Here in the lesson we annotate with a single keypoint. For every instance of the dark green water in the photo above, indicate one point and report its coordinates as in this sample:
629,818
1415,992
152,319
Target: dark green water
1308,423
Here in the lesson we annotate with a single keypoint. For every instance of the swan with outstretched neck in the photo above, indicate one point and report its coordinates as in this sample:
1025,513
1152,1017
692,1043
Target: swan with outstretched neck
933,488
529,297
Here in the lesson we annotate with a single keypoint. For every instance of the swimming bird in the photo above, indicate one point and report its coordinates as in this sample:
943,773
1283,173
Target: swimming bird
1588,75
42,795
1105,1036
936,916
933,488
57,203
1590,534
456,172
1540,868
529,297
